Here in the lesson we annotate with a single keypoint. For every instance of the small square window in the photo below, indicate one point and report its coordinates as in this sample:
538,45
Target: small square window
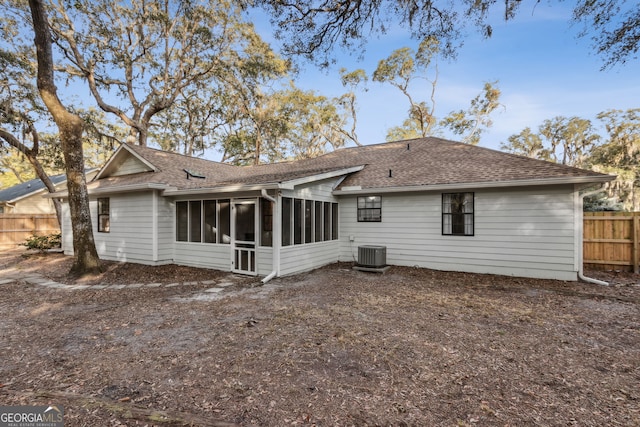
370,209
103,215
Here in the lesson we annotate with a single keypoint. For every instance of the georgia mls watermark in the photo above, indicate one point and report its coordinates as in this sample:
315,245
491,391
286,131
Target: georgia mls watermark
32,416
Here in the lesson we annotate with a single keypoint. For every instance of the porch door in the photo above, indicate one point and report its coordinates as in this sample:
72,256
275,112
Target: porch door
243,243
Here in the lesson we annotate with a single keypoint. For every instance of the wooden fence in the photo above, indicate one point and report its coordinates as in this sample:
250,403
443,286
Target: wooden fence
611,240
16,228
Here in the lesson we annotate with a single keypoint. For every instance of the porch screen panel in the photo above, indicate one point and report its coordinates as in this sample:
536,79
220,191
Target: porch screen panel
195,221
334,221
182,222
318,217
327,221
266,222
308,221
297,221
286,221
224,220
210,213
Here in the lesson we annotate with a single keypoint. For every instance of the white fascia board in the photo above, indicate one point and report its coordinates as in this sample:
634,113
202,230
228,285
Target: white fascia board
113,190
477,185
117,154
223,189
290,185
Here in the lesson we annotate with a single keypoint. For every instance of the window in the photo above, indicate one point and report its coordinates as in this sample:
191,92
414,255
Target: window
318,216
205,221
457,214
195,221
286,221
210,214
334,221
266,222
297,221
327,221
308,221
370,209
182,222
224,219
103,215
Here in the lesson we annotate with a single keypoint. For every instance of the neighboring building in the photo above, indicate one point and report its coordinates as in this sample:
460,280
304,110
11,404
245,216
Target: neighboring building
27,197
432,203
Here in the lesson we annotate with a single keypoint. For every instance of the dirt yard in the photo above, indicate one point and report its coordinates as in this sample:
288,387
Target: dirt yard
333,347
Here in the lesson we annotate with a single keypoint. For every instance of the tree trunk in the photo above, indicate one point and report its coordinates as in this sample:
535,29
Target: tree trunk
70,127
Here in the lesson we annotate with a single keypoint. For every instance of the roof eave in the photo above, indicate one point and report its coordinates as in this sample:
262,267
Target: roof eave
221,189
476,185
282,185
112,190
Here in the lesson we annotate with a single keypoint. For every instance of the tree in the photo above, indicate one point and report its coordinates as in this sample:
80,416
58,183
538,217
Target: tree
570,139
400,69
351,80
71,128
403,68
20,110
471,123
151,54
527,144
314,28
620,154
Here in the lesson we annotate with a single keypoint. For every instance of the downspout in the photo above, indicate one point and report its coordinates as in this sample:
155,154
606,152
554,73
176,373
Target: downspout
275,241
580,223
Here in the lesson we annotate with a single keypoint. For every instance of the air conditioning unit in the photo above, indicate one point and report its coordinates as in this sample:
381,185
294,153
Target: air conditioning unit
372,256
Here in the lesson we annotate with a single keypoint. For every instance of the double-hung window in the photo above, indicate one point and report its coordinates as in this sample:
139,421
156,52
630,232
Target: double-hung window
103,215
457,214
370,209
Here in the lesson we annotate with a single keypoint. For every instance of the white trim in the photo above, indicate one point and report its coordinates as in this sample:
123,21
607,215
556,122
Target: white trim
290,185
116,154
113,190
475,185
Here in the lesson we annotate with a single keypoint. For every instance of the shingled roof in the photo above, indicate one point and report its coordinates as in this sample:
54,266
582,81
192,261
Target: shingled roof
423,162
24,189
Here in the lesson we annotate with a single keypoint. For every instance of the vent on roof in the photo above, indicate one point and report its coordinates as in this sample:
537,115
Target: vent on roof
372,256
193,174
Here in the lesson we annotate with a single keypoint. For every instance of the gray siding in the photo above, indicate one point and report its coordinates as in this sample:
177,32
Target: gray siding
131,236
522,232
130,166
299,258
204,255
165,229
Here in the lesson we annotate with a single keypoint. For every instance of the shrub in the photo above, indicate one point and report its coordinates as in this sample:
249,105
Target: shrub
43,243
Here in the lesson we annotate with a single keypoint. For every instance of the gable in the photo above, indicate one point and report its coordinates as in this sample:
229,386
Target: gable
125,162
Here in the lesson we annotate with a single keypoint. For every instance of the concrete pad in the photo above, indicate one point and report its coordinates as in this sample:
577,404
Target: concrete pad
208,282
214,290
118,286
153,285
5,281
172,285
135,285
224,284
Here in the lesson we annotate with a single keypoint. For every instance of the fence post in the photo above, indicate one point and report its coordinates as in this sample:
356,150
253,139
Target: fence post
636,222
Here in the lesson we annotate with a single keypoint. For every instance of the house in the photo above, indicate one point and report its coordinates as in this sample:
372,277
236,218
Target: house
430,202
26,197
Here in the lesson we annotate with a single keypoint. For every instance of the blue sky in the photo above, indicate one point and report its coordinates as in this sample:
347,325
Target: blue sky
542,69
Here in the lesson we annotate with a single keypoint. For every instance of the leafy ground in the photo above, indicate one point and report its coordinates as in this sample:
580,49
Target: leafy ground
333,347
